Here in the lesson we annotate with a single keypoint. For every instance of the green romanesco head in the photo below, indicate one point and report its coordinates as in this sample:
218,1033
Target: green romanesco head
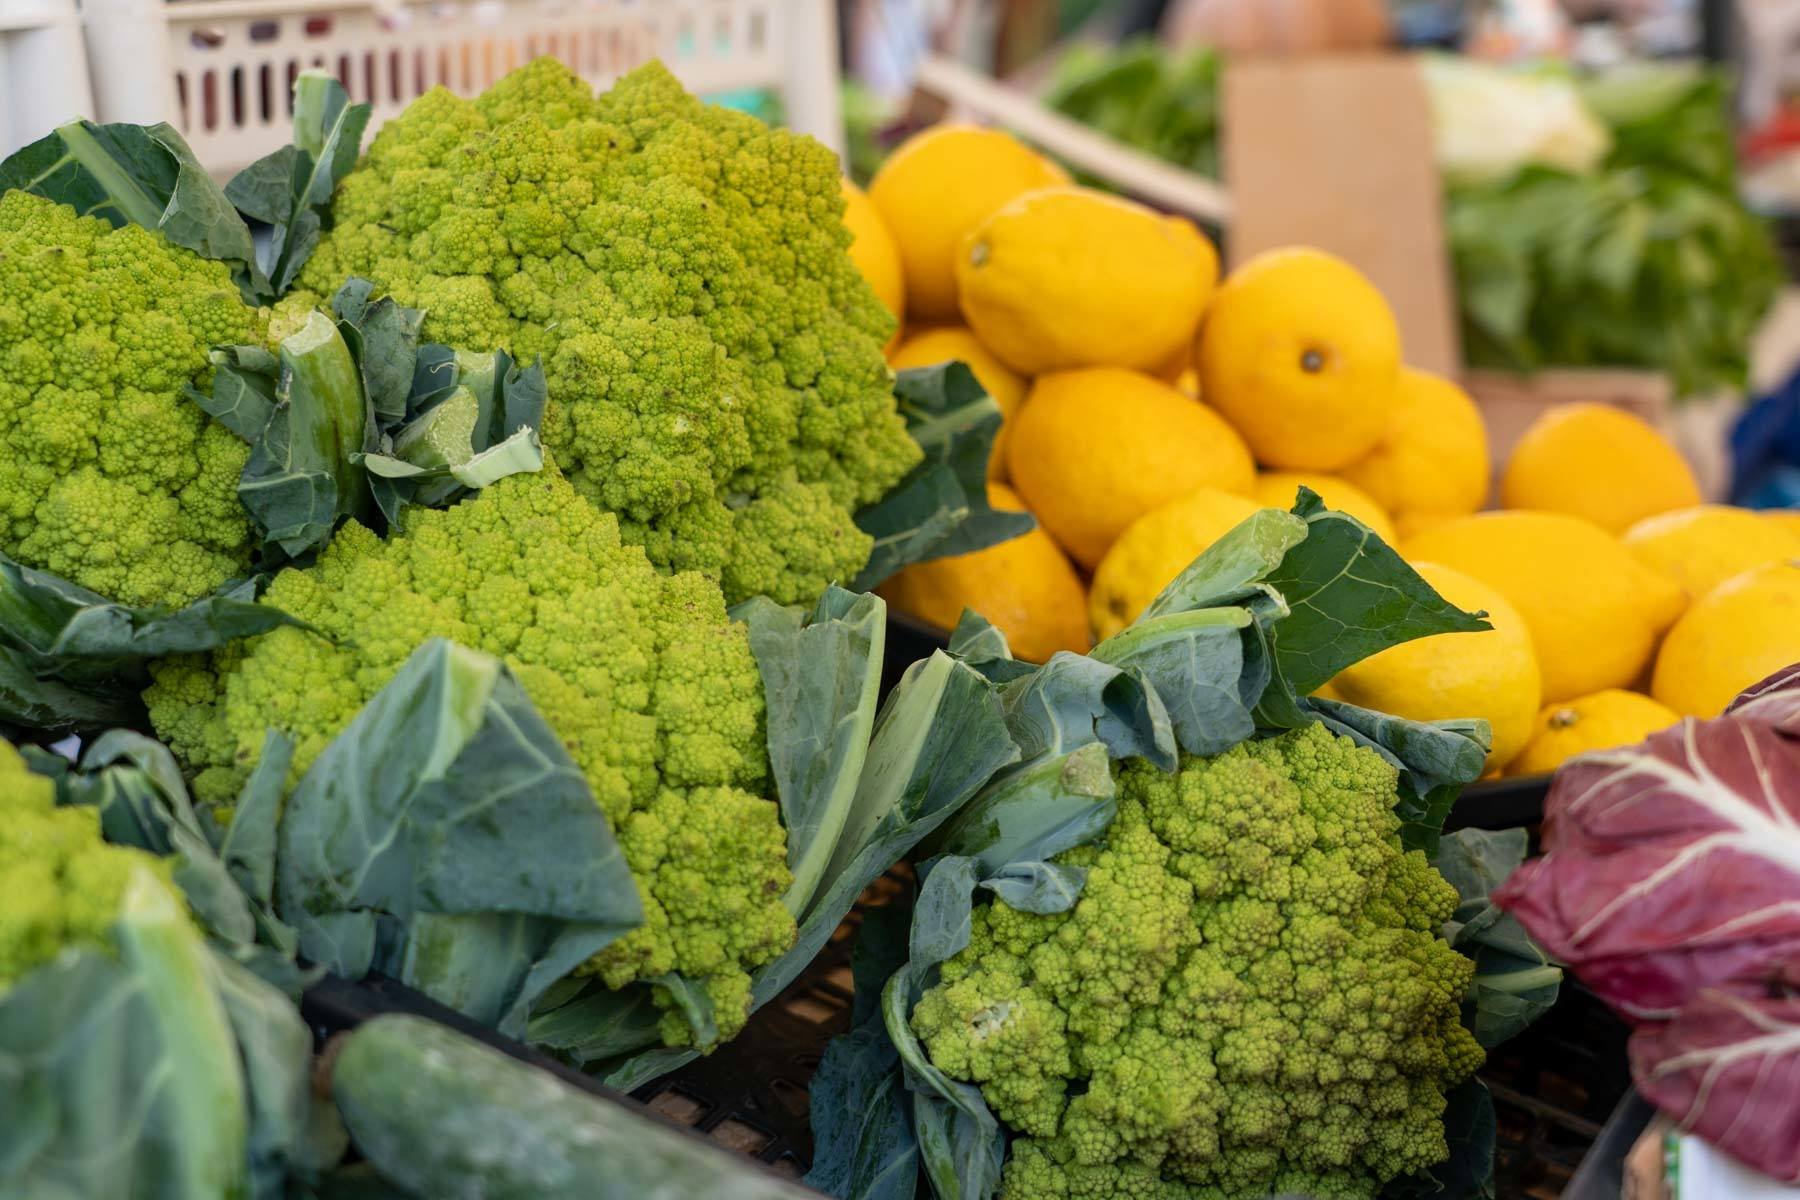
1249,998
63,884
109,476
651,687
713,356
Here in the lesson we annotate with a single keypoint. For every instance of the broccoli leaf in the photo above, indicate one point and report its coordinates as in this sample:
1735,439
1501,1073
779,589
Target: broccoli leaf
140,175
940,509
1034,812
291,188
1516,982
1073,700
1350,596
143,802
864,1146
124,1073
383,334
821,679
72,661
243,389
961,1144
354,418
399,849
300,479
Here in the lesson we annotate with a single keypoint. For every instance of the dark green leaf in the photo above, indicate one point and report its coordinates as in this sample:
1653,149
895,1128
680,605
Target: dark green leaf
1034,812
120,1070
243,390
301,478
143,802
586,1022
940,509
821,679
1350,596
73,661
291,188
386,337
961,1144
1038,887
1515,981
140,175
399,850
1194,661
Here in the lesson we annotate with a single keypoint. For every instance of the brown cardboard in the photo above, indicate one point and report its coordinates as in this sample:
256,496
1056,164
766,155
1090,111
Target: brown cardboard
1336,153
1510,403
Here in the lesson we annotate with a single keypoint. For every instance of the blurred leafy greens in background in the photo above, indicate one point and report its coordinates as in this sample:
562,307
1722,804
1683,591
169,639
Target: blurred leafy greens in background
1647,260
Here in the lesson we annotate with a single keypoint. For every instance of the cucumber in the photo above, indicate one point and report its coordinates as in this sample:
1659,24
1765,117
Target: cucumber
451,1119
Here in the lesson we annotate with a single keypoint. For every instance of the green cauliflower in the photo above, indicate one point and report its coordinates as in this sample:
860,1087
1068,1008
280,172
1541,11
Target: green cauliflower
64,886
109,476
1250,996
713,356
651,687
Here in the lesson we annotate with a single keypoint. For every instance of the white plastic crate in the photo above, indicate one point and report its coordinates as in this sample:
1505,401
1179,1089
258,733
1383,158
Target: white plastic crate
221,71
43,72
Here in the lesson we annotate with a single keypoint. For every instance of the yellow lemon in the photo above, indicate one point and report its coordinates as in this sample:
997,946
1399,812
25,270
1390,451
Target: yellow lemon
936,188
1598,462
1071,277
1492,674
1431,464
1093,450
1301,354
1601,721
1025,586
873,251
1700,548
1277,489
1786,518
1595,612
1738,634
956,343
1156,548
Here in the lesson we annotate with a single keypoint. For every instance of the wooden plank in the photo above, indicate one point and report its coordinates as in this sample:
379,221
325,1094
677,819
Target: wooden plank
1336,153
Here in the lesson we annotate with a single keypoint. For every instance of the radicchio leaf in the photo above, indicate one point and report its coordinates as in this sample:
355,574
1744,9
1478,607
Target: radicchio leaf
1671,885
1728,1068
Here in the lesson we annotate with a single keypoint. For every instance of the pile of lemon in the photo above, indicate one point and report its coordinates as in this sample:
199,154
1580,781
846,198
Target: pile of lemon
1150,407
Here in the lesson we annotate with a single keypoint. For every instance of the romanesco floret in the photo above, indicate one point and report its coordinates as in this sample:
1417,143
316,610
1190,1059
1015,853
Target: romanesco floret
1250,996
651,687
713,356
63,884
109,476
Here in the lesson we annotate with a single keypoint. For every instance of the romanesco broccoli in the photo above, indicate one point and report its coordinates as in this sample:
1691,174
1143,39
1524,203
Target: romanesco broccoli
1250,996
650,685
713,356
63,885
109,477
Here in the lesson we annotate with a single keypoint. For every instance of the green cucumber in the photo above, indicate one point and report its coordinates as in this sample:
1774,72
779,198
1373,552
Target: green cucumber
448,1118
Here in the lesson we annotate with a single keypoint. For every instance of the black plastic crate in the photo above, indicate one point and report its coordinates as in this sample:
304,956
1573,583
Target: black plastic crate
1554,1086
